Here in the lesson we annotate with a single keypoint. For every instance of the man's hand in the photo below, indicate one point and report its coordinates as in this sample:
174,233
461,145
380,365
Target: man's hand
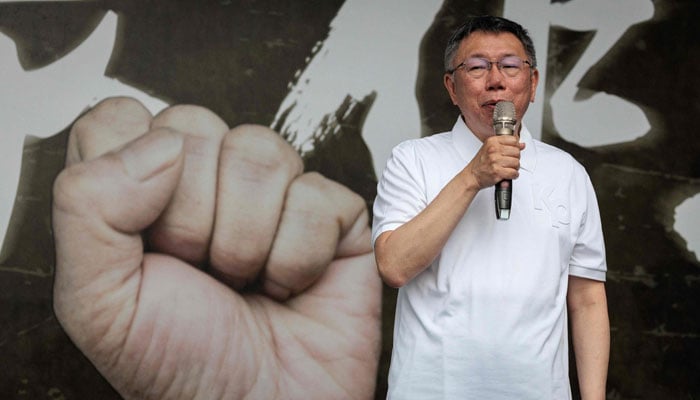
150,210
498,159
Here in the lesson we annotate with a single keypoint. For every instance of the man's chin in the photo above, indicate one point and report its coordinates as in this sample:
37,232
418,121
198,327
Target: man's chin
482,127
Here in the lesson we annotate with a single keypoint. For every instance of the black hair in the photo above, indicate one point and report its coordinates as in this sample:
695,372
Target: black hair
490,24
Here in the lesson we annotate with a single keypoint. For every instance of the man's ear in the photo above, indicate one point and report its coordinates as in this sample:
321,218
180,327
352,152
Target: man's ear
534,80
449,82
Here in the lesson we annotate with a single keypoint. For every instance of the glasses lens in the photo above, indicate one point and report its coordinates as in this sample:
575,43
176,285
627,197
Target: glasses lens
477,67
511,65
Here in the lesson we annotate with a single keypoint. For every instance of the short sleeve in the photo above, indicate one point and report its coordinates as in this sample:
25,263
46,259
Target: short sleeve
588,256
400,191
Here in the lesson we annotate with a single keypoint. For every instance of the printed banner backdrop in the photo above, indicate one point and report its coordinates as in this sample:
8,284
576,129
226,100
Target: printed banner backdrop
345,81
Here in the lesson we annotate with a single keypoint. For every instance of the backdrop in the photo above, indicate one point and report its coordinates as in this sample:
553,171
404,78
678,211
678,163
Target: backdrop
344,82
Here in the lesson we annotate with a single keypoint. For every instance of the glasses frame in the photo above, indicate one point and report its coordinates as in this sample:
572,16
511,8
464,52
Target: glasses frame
490,65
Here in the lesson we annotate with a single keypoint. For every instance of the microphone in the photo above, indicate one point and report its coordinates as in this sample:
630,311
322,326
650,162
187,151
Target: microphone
504,124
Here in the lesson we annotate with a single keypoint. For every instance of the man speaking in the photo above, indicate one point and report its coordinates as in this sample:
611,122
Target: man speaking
484,303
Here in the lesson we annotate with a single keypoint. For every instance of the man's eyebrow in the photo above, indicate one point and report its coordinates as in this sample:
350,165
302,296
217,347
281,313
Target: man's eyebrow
482,55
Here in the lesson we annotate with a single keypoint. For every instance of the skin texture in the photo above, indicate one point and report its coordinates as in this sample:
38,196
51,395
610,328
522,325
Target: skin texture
403,253
198,261
477,98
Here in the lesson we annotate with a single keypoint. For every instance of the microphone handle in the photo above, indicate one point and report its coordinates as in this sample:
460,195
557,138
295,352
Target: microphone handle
504,192
504,188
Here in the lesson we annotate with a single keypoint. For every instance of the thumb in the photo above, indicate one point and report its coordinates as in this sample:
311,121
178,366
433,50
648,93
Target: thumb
99,209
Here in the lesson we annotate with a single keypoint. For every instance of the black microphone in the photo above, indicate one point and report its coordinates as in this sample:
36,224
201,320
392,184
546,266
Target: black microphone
504,124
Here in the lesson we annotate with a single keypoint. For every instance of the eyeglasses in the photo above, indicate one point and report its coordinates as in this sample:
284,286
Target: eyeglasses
477,67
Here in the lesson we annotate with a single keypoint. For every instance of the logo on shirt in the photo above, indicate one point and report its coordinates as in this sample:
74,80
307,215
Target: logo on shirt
545,199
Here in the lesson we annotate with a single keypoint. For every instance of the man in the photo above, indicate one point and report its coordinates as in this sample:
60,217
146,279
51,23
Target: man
150,210
482,306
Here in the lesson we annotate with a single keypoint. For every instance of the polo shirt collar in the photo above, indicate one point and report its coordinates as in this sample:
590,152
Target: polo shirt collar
467,144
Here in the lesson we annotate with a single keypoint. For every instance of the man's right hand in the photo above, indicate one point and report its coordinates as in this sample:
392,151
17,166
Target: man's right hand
497,159
298,314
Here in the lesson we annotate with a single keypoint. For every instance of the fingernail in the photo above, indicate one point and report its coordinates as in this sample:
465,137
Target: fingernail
151,154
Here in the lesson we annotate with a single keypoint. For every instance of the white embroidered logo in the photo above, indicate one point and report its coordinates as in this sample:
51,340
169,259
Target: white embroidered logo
544,200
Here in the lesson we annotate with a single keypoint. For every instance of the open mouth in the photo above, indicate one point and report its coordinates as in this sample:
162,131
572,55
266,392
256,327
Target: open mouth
492,103
489,106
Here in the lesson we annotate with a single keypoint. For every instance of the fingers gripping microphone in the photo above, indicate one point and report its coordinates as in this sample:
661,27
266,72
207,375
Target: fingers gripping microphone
504,124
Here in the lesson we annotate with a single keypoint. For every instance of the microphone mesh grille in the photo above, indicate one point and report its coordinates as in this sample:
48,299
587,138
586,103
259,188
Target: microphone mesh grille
504,110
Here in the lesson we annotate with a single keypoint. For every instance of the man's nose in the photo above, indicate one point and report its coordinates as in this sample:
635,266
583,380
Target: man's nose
494,77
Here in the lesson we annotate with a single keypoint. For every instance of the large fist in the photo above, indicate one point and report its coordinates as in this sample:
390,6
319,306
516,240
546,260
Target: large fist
194,261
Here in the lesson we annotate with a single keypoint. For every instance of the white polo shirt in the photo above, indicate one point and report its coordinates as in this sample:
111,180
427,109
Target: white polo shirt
487,319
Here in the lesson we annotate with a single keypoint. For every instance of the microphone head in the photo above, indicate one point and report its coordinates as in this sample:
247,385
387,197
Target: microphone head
505,111
504,118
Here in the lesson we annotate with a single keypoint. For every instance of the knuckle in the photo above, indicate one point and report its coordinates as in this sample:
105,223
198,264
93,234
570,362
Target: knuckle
262,148
71,193
192,119
119,103
322,196
108,125
118,109
307,191
311,185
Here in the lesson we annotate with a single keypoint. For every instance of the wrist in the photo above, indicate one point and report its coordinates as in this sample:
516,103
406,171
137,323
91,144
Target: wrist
469,180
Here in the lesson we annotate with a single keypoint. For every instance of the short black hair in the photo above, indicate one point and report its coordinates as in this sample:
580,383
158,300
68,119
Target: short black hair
488,23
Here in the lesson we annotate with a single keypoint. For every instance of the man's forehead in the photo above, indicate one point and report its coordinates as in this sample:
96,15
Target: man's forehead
481,43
